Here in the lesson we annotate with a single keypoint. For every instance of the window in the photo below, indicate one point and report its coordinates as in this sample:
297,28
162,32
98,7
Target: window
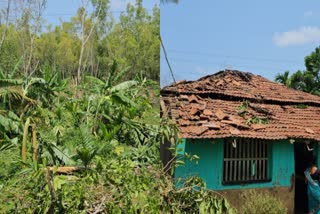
245,161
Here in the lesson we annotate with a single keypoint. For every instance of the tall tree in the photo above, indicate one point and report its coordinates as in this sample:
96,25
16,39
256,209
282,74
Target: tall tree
138,32
307,80
89,43
88,26
30,23
6,14
312,63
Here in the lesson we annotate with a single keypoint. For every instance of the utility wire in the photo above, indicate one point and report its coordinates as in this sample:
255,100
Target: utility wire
234,56
165,54
216,61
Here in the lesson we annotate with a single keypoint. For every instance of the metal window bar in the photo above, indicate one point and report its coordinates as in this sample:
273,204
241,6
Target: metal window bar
248,162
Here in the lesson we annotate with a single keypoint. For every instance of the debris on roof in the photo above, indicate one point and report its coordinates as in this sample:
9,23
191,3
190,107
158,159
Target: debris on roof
237,84
239,104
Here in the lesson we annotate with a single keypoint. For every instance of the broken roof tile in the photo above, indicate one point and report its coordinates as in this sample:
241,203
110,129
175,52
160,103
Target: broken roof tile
207,112
220,115
194,111
258,126
192,98
212,125
220,82
236,123
277,108
236,83
204,117
199,130
235,131
184,97
184,122
252,87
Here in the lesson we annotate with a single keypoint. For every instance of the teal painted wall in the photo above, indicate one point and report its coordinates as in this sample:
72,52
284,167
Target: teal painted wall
210,164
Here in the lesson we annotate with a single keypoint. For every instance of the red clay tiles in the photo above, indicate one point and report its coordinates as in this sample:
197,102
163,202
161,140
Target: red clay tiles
238,104
243,85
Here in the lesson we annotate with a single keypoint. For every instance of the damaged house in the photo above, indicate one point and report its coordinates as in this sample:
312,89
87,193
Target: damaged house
249,133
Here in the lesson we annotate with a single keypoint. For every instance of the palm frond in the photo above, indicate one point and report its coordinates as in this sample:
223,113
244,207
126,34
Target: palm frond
10,82
123,86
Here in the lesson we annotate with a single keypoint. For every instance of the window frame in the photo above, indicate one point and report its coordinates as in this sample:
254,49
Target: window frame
239,161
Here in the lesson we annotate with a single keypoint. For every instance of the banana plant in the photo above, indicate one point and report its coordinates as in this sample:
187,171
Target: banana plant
44,89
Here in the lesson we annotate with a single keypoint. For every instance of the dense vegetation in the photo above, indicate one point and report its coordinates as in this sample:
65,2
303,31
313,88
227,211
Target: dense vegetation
90,148
89,44
106,131
79,116
307,80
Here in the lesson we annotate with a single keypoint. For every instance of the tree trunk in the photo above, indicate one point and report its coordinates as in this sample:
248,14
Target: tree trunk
34,143
25,140
79,71
84,39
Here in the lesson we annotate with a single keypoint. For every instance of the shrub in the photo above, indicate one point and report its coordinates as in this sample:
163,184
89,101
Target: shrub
261,203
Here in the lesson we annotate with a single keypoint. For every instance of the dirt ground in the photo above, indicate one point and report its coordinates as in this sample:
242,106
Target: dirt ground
283,193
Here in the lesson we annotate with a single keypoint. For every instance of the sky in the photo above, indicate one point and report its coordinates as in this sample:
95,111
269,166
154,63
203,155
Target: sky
261,37
57,10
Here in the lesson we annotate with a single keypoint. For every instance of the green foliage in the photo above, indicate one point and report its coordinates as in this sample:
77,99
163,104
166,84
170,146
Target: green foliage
242,109
130,44
29,192
139,34
194,198
253,119
168,131
261,203
312,62
301,106
9,122
86,147
106,128
257,120
109,134
283,78
307,80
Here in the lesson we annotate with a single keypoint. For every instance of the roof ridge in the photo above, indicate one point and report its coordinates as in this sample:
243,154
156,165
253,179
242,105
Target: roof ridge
242,85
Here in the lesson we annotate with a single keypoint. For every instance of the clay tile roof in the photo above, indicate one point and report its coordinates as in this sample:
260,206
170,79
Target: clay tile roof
238,104
242,85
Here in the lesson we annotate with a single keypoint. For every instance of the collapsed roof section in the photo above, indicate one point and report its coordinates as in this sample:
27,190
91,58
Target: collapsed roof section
243,85
239,104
